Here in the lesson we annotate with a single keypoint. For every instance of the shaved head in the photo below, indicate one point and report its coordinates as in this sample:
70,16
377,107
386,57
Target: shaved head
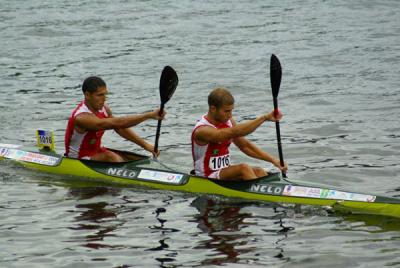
220,97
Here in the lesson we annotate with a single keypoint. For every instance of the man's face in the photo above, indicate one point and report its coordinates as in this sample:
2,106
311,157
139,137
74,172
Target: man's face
97,99
223,113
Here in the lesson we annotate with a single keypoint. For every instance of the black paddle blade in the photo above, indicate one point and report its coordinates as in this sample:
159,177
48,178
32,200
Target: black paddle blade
168,84
276,75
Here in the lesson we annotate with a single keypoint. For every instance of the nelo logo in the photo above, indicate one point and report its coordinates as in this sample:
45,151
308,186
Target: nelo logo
268,189
121,172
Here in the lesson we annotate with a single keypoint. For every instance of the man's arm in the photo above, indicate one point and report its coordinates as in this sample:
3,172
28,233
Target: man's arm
89,121
209,134
254,151
130,135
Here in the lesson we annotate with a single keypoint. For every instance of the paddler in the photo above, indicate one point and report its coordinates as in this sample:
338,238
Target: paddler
92,117
214,133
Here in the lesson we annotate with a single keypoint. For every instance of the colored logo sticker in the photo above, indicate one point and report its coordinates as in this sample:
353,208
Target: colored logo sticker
160,176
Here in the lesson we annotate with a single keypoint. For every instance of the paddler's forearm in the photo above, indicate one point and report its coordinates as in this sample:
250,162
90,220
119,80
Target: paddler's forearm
254,151
128,121
243,129
238,130
130,135
91,122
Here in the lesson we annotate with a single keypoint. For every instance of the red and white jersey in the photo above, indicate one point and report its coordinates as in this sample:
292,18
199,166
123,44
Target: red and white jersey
83,145
211,157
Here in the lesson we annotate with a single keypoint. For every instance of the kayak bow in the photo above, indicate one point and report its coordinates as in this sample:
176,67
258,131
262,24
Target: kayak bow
144,171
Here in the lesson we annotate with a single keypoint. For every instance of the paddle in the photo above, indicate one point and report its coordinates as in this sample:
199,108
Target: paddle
276,76
168,84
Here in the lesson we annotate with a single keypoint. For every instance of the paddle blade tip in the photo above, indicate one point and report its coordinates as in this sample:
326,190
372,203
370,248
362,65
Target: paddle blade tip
275,74
275,63
168,83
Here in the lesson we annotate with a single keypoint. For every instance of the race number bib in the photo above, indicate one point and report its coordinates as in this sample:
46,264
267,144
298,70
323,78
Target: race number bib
219,162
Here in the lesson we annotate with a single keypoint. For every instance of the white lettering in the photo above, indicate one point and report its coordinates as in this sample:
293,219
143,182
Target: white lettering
112,171
278,190
121,172
255,188
263,189
269,189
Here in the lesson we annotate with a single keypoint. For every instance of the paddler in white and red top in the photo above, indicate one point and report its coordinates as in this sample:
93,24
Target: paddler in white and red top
215,131
92,117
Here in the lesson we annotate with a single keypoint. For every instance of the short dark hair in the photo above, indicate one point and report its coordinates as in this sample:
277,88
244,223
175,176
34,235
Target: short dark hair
92,83
220,97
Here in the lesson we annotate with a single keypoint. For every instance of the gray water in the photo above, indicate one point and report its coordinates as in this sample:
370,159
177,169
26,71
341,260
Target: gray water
340,95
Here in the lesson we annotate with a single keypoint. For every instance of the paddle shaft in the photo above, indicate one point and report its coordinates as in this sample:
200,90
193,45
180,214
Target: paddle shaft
158,129
278,136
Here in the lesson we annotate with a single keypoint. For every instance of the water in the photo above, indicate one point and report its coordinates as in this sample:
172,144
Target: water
339,94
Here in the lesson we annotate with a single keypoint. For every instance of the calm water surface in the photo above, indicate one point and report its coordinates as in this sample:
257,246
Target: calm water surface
340,95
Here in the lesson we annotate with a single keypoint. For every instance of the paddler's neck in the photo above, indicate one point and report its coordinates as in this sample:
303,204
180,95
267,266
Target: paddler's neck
212,120
93,110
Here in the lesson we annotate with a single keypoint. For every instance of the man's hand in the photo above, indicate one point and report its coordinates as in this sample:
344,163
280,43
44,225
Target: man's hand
274,117
156,114
150,148
277,163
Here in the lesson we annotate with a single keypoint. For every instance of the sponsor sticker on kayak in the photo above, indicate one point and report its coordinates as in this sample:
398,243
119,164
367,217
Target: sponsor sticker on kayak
9,146
3,151
30,157
160,176
301,191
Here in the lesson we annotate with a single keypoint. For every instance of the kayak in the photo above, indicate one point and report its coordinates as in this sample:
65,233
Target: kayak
141,170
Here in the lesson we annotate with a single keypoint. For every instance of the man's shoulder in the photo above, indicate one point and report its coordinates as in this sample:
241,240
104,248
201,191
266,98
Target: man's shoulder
84,116
203,128
203,124
81,108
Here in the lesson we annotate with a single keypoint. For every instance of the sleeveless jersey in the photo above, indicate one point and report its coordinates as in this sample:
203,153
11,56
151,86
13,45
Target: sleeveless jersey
80,145
211,157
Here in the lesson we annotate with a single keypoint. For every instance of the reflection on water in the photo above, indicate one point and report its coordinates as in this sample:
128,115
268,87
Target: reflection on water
97,219
283,232
226,224
163,231
90,192
222,224
373,223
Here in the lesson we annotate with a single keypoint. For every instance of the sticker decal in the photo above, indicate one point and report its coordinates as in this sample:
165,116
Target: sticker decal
301,191
160,176
30,157
4,151
9,146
